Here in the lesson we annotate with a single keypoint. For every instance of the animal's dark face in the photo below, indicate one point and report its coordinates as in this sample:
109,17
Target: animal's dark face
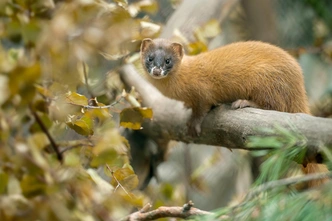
158,63
160,57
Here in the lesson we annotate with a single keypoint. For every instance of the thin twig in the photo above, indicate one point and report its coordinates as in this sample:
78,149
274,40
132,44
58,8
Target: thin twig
50,138
119,184
69,147
98,107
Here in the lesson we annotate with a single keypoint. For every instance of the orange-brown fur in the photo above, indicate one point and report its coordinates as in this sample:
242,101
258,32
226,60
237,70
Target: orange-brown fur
258,72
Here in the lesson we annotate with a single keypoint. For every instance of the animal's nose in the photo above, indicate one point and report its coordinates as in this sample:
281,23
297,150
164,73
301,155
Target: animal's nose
156,72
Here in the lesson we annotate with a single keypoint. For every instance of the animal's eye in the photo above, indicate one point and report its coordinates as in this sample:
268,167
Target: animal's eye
150,58
168,61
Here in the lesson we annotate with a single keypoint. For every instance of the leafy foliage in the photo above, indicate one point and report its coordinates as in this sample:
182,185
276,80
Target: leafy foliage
290,147
52,72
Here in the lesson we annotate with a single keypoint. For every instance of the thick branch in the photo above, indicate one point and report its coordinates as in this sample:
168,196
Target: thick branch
222,126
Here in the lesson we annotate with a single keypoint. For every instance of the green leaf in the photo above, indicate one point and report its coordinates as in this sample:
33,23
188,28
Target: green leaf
167,190
31,31
133,117
31,186
72,159
110,157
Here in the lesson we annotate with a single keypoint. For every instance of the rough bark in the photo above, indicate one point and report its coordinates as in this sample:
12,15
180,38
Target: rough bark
223,126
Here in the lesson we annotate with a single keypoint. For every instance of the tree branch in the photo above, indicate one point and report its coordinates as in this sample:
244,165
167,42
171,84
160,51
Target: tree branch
223,126
188,210
177,212
50,138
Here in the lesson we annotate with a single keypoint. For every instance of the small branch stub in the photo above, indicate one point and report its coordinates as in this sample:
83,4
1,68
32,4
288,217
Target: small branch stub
188,206
145,208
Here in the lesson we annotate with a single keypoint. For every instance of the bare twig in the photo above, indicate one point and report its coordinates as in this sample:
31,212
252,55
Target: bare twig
50,138
117,181
184,212
68,145
98,107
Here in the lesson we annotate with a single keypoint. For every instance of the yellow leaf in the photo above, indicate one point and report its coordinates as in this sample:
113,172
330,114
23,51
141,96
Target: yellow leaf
78,99
83,126
4,181
22,81
126,177
44,91
102,114
133,117
197,48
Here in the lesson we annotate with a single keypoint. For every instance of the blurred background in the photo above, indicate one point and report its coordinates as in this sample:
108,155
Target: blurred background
53,48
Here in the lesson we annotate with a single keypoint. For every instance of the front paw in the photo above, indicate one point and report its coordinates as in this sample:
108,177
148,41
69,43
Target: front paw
194,129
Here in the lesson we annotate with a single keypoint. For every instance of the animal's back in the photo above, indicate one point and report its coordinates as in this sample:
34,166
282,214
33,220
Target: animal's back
255,71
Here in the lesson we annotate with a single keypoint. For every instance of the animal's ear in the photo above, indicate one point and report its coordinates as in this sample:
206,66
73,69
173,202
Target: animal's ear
178,49
145,43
